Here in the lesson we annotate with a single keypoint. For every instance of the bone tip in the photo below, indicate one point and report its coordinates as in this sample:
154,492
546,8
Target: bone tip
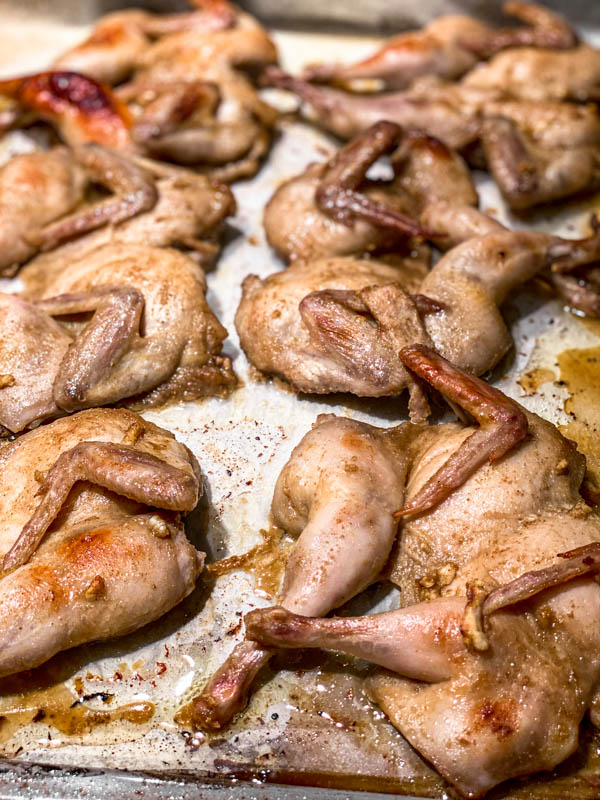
415,352
416,506
205,714
9,564
400,513
386,125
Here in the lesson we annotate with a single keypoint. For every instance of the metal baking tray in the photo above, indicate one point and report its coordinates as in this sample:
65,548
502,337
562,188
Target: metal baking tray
308,723
382,16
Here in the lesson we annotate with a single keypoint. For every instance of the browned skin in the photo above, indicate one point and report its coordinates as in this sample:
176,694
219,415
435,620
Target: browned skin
473,280
187,101
502,425
581,292
190,99
340,324
336,194
193,55
112,48
432,187
105,560
442,197
537,75
42,198
179,120
28,366
519,714
560,140
337,492
185,122
481,711
430,175
308,216
332,209
448,47
181,127
311,325
118,41
84,110
330,325
35,190
543,29
142,332
189,214
106,339
133,193
194,134
124,40
43,205
528,174
166,106
117,467
580,286
346,115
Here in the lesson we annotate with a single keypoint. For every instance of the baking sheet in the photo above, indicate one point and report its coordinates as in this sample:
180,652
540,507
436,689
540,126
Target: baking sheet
309,714
383,16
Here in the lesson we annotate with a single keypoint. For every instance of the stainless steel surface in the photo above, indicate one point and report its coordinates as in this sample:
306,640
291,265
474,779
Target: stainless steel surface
49,783
375,16
78,12
383,16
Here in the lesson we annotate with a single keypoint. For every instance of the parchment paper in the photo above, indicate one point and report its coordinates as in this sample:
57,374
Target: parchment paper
304,716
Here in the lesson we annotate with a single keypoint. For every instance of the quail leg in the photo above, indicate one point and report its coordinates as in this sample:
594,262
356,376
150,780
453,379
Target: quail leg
418,641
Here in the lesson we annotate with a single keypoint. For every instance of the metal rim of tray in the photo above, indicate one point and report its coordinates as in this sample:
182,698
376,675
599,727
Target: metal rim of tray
39,782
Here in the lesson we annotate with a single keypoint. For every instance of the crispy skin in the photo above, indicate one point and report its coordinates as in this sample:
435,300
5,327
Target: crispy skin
557,136
449,47
101,570
191,101
291,325
85,110
509,702
182,94
151,339
35,189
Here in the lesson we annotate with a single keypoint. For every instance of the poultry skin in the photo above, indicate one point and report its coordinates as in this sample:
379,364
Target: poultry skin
492,661
151,339
93,544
